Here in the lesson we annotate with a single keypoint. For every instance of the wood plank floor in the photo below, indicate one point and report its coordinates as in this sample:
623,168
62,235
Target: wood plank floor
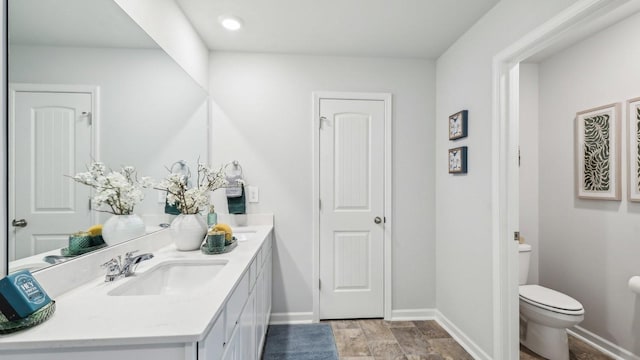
418,340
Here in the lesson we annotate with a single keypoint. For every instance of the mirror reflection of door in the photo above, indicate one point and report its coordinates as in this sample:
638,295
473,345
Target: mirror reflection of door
53,140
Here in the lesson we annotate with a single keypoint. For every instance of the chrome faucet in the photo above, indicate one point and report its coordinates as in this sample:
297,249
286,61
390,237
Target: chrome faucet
117,268
131,262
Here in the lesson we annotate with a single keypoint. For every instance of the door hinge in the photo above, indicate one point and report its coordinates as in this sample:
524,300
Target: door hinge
319,285
516,236
90,204
319,204
322,118
88,115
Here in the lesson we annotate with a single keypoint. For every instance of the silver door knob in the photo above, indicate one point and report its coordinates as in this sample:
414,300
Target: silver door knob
19,223
377,220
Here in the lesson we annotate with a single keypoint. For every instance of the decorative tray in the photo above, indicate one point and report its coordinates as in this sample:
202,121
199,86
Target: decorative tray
227,248
68,252
38,317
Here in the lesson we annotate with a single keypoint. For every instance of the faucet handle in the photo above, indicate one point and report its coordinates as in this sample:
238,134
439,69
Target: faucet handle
110,264
129,255
114,270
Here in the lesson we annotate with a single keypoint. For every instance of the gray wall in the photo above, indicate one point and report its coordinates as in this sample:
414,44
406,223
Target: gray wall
166,24
529,160
262,116
589,248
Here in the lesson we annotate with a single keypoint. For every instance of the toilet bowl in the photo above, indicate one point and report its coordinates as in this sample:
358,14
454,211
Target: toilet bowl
547,314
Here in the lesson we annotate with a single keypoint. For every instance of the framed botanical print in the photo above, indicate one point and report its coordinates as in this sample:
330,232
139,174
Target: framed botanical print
633,126
598,153
458,125
458,160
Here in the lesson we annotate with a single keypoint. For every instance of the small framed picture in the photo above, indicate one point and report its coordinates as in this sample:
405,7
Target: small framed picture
458,160
633,112
598,153
458,125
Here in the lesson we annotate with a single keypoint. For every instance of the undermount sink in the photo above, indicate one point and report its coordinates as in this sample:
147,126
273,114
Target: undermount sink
172,277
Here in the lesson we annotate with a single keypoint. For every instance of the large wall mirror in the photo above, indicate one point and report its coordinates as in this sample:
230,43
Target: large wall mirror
120,100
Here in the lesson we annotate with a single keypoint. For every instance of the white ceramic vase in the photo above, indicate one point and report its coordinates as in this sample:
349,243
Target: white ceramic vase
120,228
188,231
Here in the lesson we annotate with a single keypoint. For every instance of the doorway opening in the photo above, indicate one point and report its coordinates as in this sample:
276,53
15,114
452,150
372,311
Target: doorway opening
575,23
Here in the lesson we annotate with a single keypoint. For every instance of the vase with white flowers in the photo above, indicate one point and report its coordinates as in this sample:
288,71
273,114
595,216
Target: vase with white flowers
117,193
189,228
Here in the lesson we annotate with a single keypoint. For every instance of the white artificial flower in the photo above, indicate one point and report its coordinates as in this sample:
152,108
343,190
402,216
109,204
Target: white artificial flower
190,200
120,190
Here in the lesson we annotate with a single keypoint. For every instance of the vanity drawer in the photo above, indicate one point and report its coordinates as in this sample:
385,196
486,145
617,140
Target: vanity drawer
253,272
235,304
212,346
266,248
265,251
259,258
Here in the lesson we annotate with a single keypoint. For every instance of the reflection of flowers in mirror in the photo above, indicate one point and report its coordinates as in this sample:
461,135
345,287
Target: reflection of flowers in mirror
119,190
190,200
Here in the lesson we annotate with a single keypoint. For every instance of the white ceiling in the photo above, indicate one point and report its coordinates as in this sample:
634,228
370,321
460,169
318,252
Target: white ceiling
387,28
80,23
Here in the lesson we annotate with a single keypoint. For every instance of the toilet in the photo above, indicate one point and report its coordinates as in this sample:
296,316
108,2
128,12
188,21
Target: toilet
545,314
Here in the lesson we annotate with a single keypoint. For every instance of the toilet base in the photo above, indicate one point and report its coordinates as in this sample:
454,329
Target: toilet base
551,343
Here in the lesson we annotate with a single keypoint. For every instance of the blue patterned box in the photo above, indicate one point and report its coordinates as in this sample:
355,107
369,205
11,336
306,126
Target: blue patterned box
21,295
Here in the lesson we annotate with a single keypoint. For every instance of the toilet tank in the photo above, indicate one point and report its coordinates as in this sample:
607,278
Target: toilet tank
524,256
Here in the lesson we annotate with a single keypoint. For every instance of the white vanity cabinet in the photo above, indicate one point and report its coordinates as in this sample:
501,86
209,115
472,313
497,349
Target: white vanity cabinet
125,352
232,349
238,332
263,298
246,315
247,325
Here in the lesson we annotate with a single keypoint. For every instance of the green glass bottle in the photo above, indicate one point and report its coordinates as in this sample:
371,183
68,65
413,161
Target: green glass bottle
212,217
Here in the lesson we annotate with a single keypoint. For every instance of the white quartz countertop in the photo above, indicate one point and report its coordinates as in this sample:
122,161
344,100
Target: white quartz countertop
87,316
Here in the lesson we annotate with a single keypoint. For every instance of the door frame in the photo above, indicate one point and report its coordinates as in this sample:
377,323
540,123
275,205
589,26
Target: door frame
387,234
95,146
505,184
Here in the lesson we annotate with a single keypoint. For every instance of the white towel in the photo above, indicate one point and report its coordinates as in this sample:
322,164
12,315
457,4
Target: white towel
234,189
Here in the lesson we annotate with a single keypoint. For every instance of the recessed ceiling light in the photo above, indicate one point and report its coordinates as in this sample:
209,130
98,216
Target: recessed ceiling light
230,22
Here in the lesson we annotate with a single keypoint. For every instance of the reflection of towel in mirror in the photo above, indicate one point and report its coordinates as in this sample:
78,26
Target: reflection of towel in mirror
233,188
236,200
171,209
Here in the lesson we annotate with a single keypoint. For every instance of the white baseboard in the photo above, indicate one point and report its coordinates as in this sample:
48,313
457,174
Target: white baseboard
602,344
291,318
412,314
396,315
472,348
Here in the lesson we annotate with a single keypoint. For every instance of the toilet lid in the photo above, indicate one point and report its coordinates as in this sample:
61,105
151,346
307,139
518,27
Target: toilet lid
551,299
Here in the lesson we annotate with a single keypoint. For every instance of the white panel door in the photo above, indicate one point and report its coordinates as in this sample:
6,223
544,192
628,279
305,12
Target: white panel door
351,209
53,141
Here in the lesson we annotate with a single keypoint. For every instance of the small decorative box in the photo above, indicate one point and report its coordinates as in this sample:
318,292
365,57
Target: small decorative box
21,295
